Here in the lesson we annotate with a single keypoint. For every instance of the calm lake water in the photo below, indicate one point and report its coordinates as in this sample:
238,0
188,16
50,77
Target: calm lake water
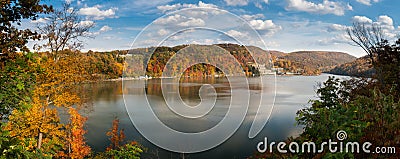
292,94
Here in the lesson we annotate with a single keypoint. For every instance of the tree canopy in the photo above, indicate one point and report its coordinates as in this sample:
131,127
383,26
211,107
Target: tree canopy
12,38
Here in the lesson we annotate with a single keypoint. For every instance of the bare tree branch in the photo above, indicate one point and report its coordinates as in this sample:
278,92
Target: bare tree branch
64,30
368,37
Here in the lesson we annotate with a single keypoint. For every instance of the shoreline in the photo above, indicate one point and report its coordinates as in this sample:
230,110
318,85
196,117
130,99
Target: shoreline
147,78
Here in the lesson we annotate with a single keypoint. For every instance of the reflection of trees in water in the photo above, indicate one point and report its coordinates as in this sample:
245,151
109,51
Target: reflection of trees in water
91,92
188,87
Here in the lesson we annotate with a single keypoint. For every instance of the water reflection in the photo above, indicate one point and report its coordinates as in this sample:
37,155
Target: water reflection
293,93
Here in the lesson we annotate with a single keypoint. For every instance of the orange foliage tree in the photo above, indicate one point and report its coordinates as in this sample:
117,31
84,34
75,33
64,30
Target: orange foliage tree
39,127
78,147
118,148
116,136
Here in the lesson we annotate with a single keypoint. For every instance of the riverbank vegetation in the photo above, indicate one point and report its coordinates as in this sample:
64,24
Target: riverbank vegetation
367,109
36,87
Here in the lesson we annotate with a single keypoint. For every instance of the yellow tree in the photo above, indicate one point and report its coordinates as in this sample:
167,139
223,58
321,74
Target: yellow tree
57,86
39,127
30,125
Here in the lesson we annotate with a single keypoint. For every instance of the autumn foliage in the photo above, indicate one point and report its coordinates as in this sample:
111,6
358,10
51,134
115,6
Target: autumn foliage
26,126
37,87
78,147
118,147
39,127
116,136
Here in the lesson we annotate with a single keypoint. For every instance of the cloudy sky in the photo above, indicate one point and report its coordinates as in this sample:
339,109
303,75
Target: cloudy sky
284,25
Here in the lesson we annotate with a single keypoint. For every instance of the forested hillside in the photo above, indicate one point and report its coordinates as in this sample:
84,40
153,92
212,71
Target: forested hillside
360,67
318,61
303,62
161,55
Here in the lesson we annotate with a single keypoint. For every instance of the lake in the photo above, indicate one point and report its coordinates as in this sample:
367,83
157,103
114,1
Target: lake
292,94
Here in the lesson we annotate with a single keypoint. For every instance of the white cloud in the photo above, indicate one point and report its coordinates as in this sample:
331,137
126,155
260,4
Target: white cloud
367,2
162,32
384,22
148,3
101,30
176,37
202,5
326,7
96,13
234,33
262,25
335,40
179,20
258,5
166,8
169,7
105,28
68,1
86,23
236,2
337,27
265,27
252,17
258,23
192,22
108,37
170,19
361,19
40,20
175,22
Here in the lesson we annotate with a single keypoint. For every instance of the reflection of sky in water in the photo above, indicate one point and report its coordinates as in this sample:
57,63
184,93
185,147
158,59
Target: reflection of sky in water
293,93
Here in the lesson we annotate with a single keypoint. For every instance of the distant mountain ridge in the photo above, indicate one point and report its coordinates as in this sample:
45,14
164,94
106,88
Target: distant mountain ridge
322,60
361,67
299,62
308,62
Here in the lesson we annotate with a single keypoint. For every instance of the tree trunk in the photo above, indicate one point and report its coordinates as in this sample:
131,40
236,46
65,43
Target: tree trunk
40,140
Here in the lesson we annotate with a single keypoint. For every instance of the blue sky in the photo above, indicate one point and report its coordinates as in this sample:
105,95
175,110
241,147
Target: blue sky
284,25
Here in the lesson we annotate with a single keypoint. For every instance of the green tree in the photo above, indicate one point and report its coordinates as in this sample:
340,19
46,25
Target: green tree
384,57
13,39
16,69
367,109
17,77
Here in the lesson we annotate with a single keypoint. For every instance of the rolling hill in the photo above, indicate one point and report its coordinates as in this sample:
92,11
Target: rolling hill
301,62
360,67
322,60
309,62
